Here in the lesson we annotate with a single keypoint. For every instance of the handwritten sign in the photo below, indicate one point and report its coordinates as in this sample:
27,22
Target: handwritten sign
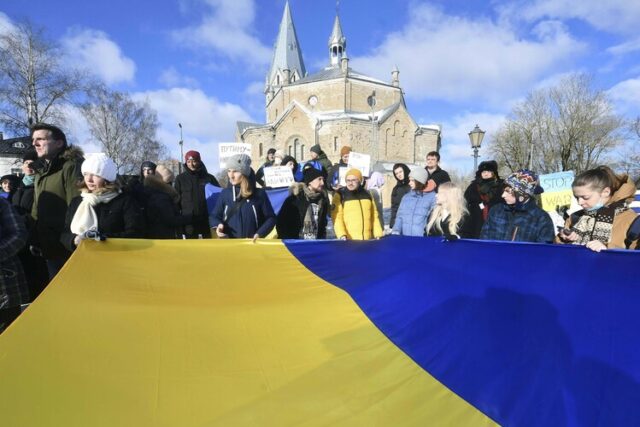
557,190
278,176
360,161
228,149
342,175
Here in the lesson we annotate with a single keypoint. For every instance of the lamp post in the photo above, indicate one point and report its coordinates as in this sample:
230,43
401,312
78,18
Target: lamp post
476,136
181,149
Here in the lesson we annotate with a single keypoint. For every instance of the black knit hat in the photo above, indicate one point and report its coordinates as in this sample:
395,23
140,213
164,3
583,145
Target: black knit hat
30,154
316,149
310,173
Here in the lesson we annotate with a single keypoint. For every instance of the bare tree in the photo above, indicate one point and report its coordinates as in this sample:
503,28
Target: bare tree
629,157
34,84
570,126
126,129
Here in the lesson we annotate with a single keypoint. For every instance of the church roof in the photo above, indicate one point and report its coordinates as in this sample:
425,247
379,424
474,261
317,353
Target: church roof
286,52
330,73
336,35
14,147
242,126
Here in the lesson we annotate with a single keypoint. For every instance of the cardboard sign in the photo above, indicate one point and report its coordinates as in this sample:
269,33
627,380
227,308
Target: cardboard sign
278,176
557,190
360,161
228,149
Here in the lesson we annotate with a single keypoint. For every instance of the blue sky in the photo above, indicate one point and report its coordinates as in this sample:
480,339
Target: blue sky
203,62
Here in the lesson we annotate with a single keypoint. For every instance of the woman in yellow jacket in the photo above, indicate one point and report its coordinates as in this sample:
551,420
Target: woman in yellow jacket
605,217
354,213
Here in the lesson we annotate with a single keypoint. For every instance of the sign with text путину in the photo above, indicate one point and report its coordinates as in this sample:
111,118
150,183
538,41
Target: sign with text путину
228,149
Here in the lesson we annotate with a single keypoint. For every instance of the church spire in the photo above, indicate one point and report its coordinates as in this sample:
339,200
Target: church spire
337,44
287,64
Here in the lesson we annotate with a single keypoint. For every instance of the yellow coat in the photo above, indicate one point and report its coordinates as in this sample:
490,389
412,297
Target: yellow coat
355,217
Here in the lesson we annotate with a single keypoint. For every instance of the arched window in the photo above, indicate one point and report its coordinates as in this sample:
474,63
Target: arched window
302,152
396,124
277,79
290,150
260,149
296,148
335,144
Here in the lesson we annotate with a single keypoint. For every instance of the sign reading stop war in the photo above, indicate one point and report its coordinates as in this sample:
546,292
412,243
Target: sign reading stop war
278,176
228,149
557,190
360,161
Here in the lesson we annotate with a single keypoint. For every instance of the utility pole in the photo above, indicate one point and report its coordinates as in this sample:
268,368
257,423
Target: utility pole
181,149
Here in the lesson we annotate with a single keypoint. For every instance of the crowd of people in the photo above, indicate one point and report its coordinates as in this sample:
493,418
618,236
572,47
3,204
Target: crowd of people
65,197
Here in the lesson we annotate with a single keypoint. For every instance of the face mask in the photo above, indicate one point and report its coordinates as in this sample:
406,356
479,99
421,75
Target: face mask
595,208
28,180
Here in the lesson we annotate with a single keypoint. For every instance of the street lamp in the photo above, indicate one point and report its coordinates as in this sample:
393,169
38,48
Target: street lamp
476,136
181,149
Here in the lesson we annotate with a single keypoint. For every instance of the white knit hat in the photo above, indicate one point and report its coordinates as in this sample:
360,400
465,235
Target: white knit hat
101,165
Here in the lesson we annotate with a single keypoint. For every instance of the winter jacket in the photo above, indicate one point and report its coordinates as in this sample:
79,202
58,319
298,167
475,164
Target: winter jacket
464,228
161,211
621,222
398,192
260,173
13,236
252,216
519,223
439,176
121,217
334,173
413,213
324,162
355,215
190,187
55,186
290,220
23,200
481,195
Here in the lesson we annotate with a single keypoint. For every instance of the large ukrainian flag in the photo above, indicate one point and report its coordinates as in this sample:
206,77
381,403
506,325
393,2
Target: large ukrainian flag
403,331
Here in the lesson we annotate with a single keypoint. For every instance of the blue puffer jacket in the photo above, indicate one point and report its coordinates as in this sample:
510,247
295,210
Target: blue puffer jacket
413,213
522,223
254,216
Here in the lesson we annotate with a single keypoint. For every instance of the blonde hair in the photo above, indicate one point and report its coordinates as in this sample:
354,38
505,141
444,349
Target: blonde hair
454,204
246,189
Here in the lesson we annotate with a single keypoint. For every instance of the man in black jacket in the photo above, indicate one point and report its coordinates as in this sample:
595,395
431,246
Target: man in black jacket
435,175
190,187
304,213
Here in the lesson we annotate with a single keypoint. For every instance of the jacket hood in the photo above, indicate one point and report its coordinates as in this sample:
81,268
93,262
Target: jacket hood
155,182
72,153
406,170
627,191
296,188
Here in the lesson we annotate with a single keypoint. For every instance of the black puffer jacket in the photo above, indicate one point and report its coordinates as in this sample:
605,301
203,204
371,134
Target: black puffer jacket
398,192
122,217
481,195
190,187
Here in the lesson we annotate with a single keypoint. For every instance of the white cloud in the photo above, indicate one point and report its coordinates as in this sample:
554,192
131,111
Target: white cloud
625,48
227,30
626,96
173,78
458,59
456,149
205,121
95,51
6,25
613,16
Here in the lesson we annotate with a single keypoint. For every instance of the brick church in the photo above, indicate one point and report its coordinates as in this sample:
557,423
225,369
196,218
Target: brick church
334,106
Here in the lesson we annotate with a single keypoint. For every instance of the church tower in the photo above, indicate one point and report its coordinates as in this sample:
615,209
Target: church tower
287,65
337,44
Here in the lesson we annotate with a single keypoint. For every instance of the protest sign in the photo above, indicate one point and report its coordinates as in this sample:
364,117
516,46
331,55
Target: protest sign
228,149
360,161
557,190
278,176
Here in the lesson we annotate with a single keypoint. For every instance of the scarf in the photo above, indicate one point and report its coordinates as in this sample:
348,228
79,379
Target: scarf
487,189
310,224
28,180
85,217
597,225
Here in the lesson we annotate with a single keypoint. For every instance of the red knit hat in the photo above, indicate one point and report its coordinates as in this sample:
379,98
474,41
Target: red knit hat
192,154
